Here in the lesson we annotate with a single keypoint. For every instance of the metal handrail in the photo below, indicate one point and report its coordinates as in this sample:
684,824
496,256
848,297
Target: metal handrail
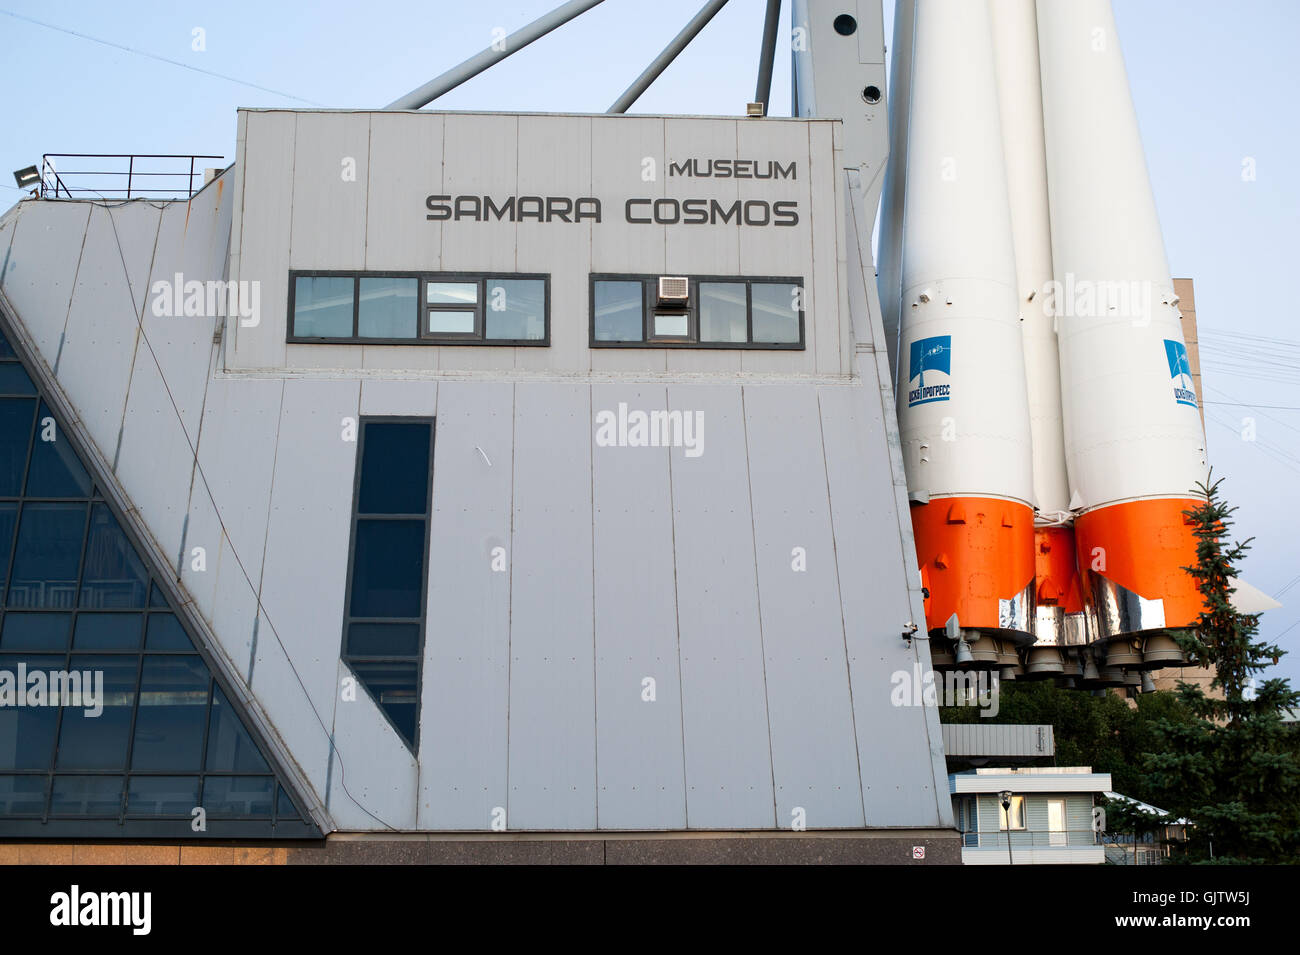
55,182
1029,838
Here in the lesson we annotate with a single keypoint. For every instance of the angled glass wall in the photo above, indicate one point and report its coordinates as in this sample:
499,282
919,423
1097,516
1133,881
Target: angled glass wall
112,724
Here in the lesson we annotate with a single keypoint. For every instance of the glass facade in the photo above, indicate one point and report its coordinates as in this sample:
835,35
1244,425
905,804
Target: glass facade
112,724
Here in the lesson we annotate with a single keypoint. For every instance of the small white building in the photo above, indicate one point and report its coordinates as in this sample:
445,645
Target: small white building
1049,819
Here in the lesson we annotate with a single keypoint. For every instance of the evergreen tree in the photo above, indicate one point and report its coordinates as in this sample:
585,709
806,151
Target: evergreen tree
1234,771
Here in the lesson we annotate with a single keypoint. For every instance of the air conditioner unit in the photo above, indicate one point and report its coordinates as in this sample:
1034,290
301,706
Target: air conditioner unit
674,290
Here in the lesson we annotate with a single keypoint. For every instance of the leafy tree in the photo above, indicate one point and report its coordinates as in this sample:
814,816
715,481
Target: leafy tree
1234,771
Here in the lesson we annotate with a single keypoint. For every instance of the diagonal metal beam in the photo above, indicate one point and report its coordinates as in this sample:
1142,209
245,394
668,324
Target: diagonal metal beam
766,57
475,65
689,32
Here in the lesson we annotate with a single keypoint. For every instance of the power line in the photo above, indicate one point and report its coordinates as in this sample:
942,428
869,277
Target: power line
1255,407
1287,630
1289,584
155,56
1244,404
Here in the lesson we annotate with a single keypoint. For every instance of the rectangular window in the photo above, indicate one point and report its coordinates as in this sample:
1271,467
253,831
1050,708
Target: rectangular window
619,311
384,618
724,312
718,312
323,306
429,308
384,307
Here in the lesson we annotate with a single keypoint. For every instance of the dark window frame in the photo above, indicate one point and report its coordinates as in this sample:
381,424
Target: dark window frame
648,299
422,308
422,620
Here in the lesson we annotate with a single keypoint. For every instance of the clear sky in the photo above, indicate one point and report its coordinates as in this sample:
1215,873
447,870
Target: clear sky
1216,87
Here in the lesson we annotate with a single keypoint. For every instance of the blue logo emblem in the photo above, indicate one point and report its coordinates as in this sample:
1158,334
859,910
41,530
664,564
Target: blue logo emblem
932,356
1180,370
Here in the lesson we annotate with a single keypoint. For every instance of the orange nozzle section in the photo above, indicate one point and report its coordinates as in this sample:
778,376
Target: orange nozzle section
1143,546
1055,571
973,552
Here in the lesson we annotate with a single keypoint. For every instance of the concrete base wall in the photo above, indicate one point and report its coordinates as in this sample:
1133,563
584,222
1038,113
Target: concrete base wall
886,847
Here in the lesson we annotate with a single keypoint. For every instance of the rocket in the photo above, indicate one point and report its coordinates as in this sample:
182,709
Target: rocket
1134,442
961,389
1050,429
1059,621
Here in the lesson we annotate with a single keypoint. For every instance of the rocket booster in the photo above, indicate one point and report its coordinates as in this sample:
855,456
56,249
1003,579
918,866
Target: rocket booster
1059,619
1134,443
963,417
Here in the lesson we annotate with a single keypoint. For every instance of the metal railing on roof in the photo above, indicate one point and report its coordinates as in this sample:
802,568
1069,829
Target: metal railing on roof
122,176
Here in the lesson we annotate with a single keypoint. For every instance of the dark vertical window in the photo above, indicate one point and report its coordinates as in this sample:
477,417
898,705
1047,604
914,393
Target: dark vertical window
152,735
385,614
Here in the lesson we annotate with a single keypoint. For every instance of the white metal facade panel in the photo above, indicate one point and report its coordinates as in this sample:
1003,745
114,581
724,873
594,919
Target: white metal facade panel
809,700
724,702
154,457
418,397
94,362
228,508
378,769
168,381
827,251
310,500
193,241
688,247
41,267
405,167
638,725
480,158
618,154
899,754
330,174
264,184
465,703
552,665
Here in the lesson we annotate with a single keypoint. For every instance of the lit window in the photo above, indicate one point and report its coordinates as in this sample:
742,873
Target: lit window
1016,814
